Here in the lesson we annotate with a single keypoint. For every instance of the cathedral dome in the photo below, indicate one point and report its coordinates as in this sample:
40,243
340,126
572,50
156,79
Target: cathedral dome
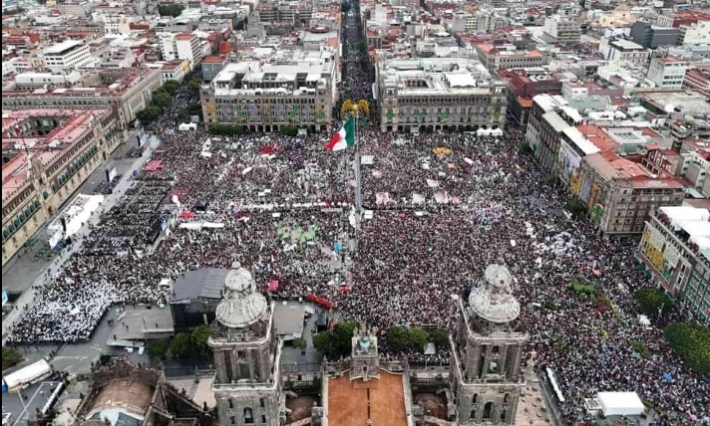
494,301
241,306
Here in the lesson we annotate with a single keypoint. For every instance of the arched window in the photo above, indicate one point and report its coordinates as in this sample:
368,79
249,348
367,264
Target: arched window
231,404
473,415
262,403
503,417
506,398
475,398
248,416
488,411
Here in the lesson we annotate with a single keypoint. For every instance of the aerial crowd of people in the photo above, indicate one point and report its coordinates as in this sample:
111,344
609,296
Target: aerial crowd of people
444,206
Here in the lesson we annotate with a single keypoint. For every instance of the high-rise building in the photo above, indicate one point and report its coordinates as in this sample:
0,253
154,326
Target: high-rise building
487,350
247,355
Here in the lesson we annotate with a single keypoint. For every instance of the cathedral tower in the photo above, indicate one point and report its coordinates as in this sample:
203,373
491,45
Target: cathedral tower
248,385
486,374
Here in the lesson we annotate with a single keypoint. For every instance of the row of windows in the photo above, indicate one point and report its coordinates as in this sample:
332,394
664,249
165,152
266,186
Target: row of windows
19,199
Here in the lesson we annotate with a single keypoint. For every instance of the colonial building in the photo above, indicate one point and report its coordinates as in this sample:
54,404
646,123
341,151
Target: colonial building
48,155
298,91
487,350
247,354
439,94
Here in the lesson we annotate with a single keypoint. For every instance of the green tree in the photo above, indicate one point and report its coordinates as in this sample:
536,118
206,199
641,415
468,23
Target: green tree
525,148
289,131
440,338
323,342
194,87
226,130
343,338
576,206
692,343
162,99
300,344
652,300
418,339
173,10
148,115
397,339
200,337
158,349
171,87
10,358
181,347
338,343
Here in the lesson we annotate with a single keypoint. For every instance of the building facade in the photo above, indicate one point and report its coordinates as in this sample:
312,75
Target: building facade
52,153
67,56
299,92
487,350
129,91
563,29
652,36
439,94
623,50
668,72
697,33
184,46
675,248
247,355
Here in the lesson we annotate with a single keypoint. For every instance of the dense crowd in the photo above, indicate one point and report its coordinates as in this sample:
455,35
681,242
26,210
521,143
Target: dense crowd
445,206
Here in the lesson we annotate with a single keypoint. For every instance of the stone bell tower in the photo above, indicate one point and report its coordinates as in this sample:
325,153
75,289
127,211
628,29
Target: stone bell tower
486,374
365,356
247,354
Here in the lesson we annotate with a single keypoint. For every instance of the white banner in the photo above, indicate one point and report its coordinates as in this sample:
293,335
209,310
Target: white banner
657,239
672,255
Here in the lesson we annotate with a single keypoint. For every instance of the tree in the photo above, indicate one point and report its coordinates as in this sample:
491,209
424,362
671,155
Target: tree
651,301
194,87
323,342
162,99
397,339
10,358
289,131
300,344
226,130
525,148
345,7
200,337
158,349
692,343
576,206
148,115
181,346
171,87
418,339
440,338
337,343
173,10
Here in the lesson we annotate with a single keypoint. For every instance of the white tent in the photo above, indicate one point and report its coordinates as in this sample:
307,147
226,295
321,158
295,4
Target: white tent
27,376
620,404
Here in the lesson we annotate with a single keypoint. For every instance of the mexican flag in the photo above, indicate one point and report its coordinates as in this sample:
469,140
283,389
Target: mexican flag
344,138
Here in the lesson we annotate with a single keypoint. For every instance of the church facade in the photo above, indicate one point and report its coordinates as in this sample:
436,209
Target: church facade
484,384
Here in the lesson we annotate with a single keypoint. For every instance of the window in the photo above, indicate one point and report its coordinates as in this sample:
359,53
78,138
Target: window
262,403
496,349
506,398
475,398
233,420
488,411
263,420
473,415
248,416
231,404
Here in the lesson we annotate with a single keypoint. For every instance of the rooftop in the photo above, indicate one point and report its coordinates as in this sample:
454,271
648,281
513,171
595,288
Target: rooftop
62,47
348,401
74,124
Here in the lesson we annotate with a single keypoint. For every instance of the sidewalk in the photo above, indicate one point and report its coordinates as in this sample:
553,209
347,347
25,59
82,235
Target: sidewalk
32,274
